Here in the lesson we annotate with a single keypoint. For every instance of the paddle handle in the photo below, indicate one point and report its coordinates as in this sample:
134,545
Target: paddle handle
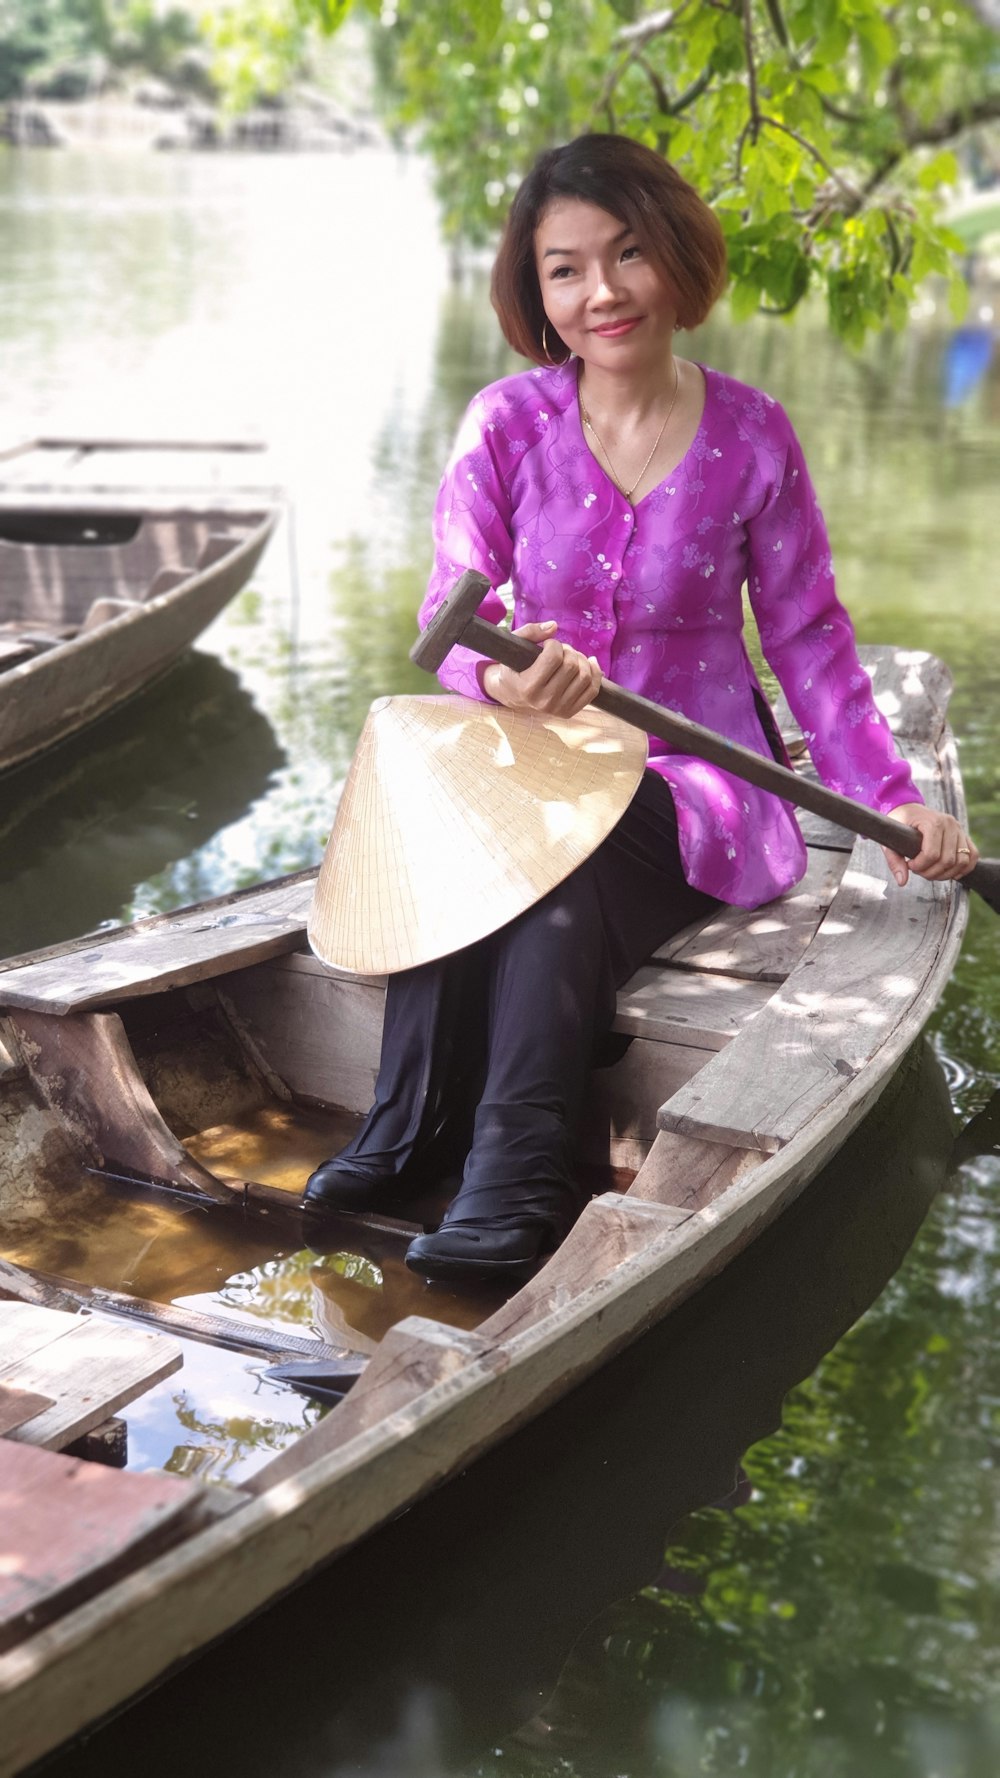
487,639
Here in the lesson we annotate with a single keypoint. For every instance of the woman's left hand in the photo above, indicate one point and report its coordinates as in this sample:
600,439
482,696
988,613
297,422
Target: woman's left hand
946,851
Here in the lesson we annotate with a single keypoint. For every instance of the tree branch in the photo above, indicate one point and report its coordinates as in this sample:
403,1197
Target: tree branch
665,105
850,191
751,71
694,91
653,25
931,135
780,28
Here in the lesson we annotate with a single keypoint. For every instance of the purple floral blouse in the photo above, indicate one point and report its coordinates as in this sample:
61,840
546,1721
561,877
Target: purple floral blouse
654,591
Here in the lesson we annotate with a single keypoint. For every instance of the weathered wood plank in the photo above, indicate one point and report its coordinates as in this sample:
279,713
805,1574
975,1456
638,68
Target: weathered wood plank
34,1290
107,1443
88,1368
414,1356
761,944
321,1034
839,1004
619,1114
19,1405
690,1173
818,832
611,1229
169,951
687,1006
84,1069
821,1028
69,1527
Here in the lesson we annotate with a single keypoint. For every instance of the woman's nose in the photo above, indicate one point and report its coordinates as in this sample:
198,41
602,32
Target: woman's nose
604,289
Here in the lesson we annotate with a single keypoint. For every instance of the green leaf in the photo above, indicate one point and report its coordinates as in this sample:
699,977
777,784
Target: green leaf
744,301
942,170
877,44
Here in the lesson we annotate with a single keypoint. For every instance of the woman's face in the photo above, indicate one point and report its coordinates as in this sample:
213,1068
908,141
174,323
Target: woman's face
605,299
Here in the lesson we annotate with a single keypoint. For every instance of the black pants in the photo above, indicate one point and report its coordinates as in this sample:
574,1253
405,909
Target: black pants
492,1046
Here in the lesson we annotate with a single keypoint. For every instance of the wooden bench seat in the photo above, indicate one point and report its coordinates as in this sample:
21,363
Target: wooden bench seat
846,987
165,951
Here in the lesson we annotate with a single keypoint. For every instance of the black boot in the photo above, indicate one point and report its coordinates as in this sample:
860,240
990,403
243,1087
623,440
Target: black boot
344,1185
355,1183
496,1252
416,1136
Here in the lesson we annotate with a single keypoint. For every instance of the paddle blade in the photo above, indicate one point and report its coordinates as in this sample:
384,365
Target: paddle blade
985,880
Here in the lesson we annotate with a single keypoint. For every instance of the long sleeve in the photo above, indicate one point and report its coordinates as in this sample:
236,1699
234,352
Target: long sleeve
808,639
472,529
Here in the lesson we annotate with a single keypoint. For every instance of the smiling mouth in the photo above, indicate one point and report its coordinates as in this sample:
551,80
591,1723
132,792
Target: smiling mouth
624,325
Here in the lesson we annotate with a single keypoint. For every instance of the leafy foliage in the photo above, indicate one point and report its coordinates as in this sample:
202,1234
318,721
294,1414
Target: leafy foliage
816,127
68,48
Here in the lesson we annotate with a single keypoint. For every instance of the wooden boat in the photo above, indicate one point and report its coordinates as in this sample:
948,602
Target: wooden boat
466,1607
103,584
758,1042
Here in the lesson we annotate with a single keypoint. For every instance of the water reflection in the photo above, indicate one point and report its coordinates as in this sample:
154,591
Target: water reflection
414,1652
121,803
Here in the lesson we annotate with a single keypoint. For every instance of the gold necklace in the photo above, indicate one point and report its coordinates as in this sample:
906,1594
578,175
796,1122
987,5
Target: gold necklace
615,477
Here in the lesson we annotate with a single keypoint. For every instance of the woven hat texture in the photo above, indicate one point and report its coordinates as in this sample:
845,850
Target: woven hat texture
458,815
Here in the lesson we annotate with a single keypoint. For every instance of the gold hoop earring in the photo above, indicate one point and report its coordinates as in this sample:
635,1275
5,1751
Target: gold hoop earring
556,362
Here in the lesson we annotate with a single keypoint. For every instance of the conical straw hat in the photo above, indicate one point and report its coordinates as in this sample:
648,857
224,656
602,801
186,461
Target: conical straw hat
456,816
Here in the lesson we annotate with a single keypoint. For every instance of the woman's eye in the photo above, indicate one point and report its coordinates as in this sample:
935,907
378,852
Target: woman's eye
630,252
561,271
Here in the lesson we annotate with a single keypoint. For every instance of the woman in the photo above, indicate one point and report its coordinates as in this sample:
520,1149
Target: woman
626,494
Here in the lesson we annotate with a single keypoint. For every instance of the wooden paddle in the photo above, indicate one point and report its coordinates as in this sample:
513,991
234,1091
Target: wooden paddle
456,622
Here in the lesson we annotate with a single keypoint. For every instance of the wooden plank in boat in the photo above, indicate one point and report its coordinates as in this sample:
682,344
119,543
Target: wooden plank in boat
827,835
833,1013
169,951
761,944
687,1006
102,471
10,1065
14,650
415,1355
89,1368
319,1034
619,1114
611,1229
198,467
71,1527
19,1405
30,463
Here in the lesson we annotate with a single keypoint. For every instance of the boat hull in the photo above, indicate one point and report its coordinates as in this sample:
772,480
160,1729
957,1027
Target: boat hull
46,700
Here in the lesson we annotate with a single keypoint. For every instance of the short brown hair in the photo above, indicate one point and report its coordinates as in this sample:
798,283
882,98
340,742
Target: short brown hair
673,225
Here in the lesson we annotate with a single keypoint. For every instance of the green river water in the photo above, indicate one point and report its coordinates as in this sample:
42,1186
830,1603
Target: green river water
841,1619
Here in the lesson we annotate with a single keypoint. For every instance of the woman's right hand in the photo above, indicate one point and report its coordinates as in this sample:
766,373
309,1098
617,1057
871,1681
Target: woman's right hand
561,681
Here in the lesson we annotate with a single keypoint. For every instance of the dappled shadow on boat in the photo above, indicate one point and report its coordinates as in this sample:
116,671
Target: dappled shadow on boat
449,1628
81,827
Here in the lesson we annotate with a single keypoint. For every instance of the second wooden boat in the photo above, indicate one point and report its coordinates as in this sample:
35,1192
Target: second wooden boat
103,585
164,1055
